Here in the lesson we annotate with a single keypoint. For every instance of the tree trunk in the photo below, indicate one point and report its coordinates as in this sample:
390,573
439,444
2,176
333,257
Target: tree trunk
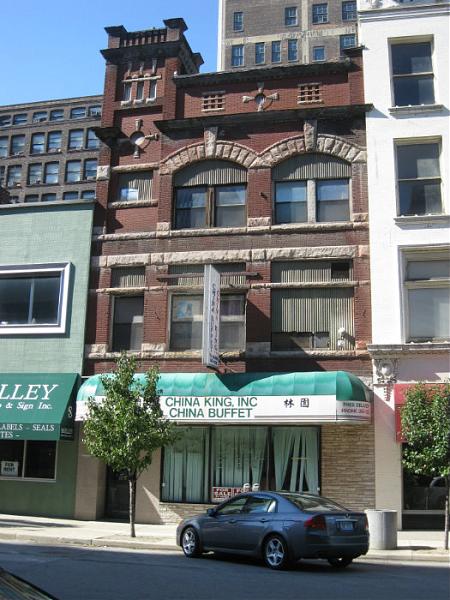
446,513
132,485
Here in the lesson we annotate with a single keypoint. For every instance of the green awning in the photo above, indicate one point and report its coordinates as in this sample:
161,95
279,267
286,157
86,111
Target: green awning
37,406
273,397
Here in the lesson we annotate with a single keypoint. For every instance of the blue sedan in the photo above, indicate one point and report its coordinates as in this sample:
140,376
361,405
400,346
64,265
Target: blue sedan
280,527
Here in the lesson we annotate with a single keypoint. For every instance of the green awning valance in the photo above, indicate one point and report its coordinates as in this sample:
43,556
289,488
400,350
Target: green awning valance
37,406
261,397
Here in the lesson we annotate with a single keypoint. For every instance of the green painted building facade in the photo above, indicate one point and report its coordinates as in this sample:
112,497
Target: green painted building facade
44,275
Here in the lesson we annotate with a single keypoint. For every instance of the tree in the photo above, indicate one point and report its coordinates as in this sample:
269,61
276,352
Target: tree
426,430
128,426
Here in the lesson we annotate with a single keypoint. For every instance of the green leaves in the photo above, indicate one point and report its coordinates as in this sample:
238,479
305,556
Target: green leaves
128,426
426,429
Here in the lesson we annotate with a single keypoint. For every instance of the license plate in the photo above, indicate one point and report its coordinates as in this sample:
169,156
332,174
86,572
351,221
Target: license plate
345,525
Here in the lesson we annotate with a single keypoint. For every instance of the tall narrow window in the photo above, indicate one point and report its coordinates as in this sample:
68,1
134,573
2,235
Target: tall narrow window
54,141
76,139
140,90
427,282
127,87
419,179
51,172
14,175
73,171
152,90
35,174
412,73
128,323
290,16
260,53
90,168
3,147
17,144
92,141
37,143
237,56
292,50
238,21
276,52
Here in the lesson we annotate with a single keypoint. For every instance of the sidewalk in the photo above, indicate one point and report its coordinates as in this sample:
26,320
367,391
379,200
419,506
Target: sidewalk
412,545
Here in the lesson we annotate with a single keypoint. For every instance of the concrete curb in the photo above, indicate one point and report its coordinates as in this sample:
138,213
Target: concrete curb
393,556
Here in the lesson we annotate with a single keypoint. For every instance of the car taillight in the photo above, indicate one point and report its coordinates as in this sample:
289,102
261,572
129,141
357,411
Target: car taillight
316,523
365,523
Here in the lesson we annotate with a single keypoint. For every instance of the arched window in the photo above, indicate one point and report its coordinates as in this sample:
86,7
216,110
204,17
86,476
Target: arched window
211,193
312,188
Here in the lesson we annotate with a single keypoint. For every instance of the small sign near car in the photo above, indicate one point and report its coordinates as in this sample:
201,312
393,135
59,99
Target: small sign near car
219,494
9,468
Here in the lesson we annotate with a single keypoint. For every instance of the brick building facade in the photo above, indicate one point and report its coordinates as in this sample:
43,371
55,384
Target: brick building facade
262,174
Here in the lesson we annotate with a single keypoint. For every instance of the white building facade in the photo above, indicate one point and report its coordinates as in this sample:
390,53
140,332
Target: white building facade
406,65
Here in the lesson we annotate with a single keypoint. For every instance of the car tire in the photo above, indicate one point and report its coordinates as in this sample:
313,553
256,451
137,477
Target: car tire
341,562
275,553
190,543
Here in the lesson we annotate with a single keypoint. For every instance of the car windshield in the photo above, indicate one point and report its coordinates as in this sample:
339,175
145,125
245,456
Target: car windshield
313,503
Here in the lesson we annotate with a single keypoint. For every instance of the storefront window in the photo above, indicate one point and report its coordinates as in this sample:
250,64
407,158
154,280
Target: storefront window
421,492
276,458
27,459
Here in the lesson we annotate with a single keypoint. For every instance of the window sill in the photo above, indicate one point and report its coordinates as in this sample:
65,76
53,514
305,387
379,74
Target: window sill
28,479
48,203
37,330
421,219
415,109
386,350
132,203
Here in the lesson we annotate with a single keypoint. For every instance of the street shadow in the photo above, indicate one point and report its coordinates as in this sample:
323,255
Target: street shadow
26,523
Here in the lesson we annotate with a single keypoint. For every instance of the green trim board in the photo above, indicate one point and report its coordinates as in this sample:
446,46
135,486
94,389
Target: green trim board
261,397
37,406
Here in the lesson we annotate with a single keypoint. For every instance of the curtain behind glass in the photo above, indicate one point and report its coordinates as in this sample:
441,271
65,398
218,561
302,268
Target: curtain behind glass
295,458
185,476
238,455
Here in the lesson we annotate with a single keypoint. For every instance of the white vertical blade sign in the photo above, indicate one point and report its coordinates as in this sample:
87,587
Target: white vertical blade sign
211,317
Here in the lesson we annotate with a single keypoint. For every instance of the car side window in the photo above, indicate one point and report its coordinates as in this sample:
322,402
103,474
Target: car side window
260,504
233,507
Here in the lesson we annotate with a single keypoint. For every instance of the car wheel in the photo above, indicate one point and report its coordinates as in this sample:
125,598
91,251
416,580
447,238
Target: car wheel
190,543
340,562
275,553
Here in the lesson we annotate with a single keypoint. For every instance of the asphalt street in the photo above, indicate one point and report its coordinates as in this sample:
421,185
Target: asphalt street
74,573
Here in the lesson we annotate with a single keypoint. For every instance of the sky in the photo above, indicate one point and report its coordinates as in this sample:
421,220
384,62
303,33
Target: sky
49,49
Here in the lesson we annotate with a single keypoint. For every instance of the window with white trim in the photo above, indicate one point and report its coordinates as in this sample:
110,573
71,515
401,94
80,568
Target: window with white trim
427,295
237,56
419,179
238,21
412,74
290,16
33,299
31,459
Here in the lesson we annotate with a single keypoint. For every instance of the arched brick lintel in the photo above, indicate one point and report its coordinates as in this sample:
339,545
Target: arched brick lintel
223,150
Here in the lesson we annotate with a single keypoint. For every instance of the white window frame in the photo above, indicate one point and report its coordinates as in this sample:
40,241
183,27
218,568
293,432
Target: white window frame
63,269
408,254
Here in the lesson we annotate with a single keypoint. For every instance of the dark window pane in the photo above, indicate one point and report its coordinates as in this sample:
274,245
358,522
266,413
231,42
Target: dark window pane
78,112
190,210
128,323
57,115
46,300
290,202
40,459
408,59
418,160
11,458
187,323
276,52
414,90
421,197
14,300
260,52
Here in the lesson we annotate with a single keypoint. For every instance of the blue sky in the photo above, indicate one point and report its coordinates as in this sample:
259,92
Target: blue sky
50,48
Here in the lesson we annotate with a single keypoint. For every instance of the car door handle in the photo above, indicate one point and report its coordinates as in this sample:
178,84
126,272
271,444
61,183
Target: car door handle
264,520
232,521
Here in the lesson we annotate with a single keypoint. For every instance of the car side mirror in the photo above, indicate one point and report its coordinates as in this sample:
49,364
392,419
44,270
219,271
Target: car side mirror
211,512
